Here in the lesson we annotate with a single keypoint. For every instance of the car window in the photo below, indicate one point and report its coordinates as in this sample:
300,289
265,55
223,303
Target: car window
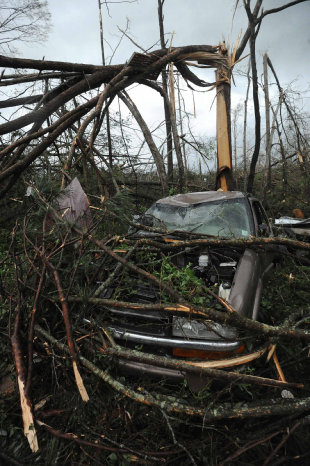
225,218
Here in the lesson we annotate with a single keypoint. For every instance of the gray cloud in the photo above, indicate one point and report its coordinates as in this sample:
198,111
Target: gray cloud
75,37
75,34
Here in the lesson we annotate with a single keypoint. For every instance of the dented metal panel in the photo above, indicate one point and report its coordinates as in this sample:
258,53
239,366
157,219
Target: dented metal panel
184,200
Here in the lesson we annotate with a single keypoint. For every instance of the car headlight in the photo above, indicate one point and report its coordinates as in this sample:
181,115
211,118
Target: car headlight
191,328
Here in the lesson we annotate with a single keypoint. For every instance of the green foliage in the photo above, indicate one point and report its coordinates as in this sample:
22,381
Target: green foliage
184,280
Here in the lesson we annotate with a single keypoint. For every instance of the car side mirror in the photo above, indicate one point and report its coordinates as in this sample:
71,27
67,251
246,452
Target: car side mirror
147,220
144,219
136,218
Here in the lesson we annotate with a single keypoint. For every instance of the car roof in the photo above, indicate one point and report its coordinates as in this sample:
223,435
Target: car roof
185,200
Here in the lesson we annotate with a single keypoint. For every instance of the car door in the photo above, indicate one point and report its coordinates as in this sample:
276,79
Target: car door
252,268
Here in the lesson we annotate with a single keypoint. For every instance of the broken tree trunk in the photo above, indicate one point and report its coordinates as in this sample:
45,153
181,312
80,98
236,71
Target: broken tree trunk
209,413
223,123
26,405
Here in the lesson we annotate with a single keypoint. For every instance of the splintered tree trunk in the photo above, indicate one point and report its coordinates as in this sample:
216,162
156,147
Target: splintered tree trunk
223,125
235,144
301,161
25,402
236,114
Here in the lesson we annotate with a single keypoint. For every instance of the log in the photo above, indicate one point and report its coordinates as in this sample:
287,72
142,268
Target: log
277,407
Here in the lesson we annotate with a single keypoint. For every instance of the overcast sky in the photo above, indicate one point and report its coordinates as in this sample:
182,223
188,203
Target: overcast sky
75,37
75,33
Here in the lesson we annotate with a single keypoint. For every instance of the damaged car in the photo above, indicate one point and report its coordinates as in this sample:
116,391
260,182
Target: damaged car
236,273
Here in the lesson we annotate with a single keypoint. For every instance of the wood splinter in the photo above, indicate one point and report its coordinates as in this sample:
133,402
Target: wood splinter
273,354
25,403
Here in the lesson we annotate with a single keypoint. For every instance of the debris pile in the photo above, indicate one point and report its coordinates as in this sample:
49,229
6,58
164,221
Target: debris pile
64,274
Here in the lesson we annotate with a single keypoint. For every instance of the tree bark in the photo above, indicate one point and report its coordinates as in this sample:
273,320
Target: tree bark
176,139
267,117
20,101
165,88
211,413
255,155
245,126
223,124
106,74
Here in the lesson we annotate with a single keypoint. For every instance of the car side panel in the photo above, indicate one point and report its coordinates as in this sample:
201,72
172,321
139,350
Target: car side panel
245,284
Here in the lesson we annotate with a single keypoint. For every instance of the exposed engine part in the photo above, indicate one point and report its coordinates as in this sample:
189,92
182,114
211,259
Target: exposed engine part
224,290
214,265
203,260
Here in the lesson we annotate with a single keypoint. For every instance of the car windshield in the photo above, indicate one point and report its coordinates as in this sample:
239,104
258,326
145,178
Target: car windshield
224,218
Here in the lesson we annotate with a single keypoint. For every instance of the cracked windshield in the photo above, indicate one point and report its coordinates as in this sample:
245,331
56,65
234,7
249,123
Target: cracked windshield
222,219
